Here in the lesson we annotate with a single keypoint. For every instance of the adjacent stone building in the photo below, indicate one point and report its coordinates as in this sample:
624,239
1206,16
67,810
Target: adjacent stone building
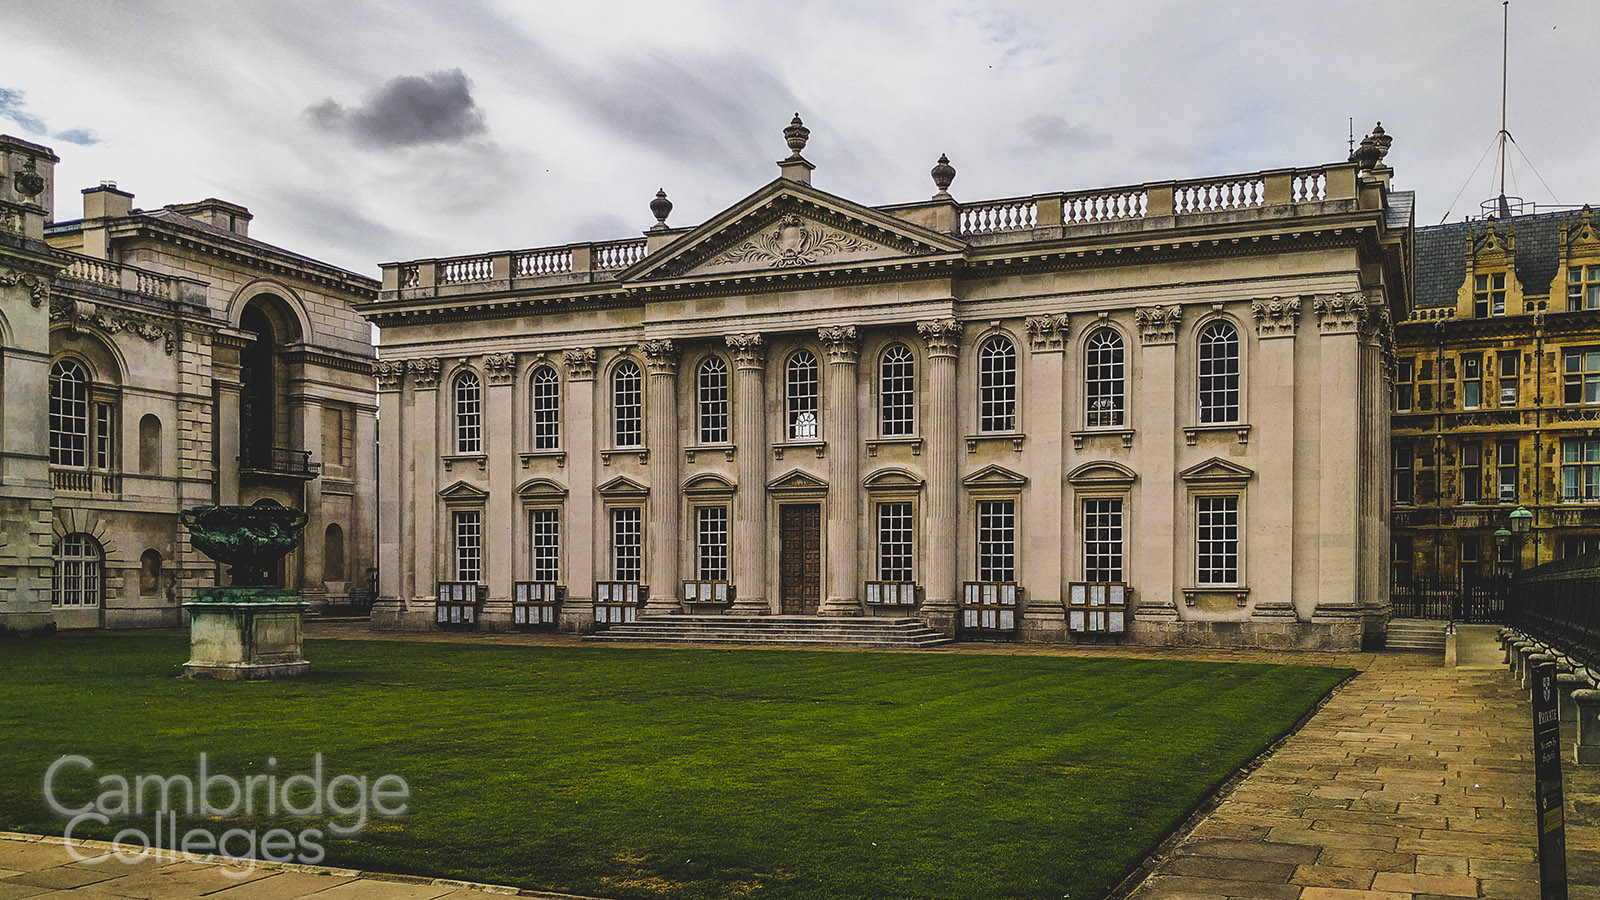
1006,415
1497,397
156,360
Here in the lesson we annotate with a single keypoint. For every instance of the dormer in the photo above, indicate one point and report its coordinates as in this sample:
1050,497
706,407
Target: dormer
1579,271
1491,288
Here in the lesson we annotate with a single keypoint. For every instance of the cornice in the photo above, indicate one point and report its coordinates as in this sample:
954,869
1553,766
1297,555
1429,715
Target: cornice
255,256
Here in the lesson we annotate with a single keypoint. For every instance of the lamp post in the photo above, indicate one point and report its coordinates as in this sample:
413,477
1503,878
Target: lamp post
1521,522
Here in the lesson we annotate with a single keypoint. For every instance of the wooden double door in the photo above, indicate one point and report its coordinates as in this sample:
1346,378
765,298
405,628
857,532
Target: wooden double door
800,558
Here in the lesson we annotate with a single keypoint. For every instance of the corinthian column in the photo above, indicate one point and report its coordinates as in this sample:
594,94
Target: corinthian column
843,348
943,339
661,358
750,503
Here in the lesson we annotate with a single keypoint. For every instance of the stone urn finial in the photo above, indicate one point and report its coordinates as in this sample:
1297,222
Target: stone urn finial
943,173
1374,147
249,539
795,135
660,207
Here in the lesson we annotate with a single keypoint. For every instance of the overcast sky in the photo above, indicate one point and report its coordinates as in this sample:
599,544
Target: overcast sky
364,131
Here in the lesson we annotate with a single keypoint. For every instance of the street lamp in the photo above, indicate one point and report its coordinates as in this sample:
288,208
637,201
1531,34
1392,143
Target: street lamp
1521,521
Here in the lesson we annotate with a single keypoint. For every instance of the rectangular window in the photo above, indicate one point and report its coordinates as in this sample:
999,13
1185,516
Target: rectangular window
1471,381
469,546
1404,384
1505,463
103,434
546,409
1400,561
1583,287
711,543
1403,474
627,405
1102,540
1467,569
1471,472
1508,380
544,528
713,387
1489,295
1579,545
895,536
1217,540
1580,377
627,551
997,540
1580,469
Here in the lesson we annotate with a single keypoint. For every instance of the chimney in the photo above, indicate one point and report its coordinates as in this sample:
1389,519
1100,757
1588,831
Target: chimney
106,202
27,175
218,214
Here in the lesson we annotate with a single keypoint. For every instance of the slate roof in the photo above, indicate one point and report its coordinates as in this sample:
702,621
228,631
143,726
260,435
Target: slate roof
1441,255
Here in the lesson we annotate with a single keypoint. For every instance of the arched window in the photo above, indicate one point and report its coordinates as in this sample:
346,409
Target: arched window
76,574
469,414
333,553
997,385
69,414
150,573
801,393
1103,380
897,391
627,405
546,409
150,445
1219,374
713,389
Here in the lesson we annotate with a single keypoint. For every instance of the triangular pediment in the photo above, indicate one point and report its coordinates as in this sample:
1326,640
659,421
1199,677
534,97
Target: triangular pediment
461,492
993,477
622,487
1216,470
789,226
1101,473
797,480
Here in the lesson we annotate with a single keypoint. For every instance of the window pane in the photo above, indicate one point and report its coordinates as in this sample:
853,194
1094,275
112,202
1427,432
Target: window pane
1219,374
1104,380
545,528
801,394
894,542
469,414
897,387
997,385
1102,540
546,409
711,542
69,414
1217,540
627,404
626,548
469,546
713,390
997,540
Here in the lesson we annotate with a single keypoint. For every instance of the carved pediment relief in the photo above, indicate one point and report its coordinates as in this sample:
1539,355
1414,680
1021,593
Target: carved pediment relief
622,487
797,481
1216,470
1101,473
461,492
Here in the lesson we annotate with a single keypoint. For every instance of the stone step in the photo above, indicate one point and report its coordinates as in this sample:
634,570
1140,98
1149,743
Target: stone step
746,641
813,631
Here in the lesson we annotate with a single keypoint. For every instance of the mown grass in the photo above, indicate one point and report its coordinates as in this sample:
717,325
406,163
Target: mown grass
635,773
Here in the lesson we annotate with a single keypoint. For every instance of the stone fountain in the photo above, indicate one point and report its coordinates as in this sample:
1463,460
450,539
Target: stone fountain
250,629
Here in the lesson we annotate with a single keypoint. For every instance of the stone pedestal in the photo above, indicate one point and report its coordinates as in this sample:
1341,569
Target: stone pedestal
245,634
1587,751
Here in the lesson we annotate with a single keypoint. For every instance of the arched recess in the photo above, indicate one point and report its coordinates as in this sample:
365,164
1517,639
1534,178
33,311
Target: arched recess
270,324
333,554
150,444
150,573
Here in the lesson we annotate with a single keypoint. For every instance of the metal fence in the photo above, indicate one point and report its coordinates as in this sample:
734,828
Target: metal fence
1559,603
1449,601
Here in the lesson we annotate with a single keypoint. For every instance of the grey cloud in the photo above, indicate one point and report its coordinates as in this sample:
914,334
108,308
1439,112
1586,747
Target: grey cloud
11,108
1056,131
83,137
407,111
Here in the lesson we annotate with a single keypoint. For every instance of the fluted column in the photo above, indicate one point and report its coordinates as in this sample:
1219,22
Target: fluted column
843,347
750,503
943,340
661,358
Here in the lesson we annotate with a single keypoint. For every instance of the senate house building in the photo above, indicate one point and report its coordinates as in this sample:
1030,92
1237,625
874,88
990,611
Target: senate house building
1156,411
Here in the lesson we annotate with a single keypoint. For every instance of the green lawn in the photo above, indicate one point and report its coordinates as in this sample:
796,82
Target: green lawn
634,773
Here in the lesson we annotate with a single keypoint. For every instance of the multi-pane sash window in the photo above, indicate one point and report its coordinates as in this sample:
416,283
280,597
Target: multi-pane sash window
469,545
1508,379
1583,287
711,543
997,385
103,444
1580,376
469,415
1404,384
1581,545
1467,570
546,409
800,391
1472,472
1102,540
627,405
1217,540
544,527
1471,381
1219,374
76,574
997,540
713,387
895,526
1403,478
1580,469
627,551
1103,377
1506,470
69,415
1400,561
897,392
1489,295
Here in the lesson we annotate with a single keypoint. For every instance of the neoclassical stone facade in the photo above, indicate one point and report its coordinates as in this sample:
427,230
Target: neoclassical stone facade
156,360
1173,394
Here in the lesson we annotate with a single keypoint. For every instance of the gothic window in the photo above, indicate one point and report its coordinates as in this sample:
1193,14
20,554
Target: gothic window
77,571
997,386
69,414
897,392
469,415
546,409
713,391
801,395
1219,374
1103,376
627,405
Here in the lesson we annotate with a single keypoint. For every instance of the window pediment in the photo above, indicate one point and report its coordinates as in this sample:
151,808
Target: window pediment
541,489
1216,471
797,481
1102,473
708,485
461,492
622,488
893,479
994,478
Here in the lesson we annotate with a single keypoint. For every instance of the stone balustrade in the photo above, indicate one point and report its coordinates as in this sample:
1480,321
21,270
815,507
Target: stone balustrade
126,278
514,265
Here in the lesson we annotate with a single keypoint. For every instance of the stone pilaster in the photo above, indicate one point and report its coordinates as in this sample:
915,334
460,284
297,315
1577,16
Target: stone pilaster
943,340
662,563
842,420
1339,320
1156,570
1272,411
390,376
422,431
498,424
584,530
1047,552
750,502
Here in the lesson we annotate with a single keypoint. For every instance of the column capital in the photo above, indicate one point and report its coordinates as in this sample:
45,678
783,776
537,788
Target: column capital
500,368
390,373
842,344
580,363
660,356
749,350
1340,313
1047,332
424,373
1278,317
942,336
1158,324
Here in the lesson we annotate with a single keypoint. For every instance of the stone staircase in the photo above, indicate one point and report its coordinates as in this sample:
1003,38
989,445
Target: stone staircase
860,632
1416,634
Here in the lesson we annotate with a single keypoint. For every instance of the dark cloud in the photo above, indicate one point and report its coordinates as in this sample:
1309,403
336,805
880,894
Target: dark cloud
407,111
11,108
83,137
1056,131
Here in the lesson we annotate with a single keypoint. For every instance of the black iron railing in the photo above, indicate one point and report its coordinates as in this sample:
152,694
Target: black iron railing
279,461
1559,603
1481,602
